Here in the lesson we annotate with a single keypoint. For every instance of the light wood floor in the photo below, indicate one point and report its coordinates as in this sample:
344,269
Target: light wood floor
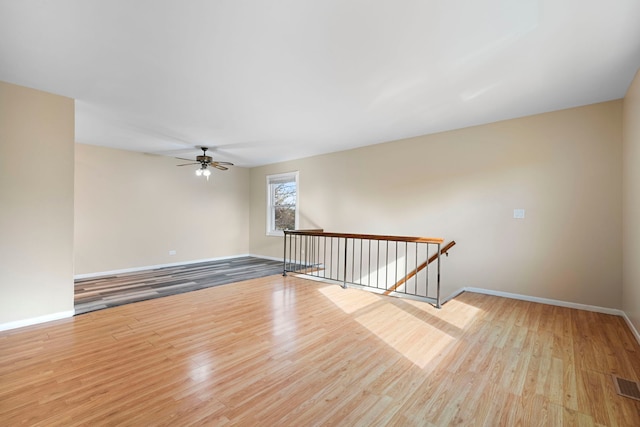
289,351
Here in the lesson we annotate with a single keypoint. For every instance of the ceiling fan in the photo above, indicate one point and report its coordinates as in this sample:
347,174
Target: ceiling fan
205,161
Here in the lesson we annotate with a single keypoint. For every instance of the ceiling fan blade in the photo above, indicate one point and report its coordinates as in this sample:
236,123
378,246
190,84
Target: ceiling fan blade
182,158
189,164
223,163
222,168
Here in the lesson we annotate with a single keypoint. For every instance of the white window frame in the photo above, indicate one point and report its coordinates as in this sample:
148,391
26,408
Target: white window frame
270,207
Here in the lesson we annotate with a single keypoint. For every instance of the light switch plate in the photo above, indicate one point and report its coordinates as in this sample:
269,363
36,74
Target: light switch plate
518,213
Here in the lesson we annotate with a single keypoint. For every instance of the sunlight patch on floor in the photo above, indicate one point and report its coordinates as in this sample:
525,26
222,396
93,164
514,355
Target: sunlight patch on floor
200,367
417,340
461,314
406,334
284,327
349,300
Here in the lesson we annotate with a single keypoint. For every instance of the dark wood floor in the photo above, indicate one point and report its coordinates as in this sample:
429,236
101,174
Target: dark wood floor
114,290
288,351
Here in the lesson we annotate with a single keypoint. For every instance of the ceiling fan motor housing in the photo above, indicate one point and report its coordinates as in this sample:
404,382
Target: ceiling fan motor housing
204,159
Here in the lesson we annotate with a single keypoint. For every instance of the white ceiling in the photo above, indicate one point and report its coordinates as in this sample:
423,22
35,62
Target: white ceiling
270,80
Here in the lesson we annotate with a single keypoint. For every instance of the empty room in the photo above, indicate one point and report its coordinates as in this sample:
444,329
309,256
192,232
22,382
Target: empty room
319,213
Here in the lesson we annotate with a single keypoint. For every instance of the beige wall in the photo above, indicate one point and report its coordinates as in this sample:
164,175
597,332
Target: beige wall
631,202
131,209
563,167
36,203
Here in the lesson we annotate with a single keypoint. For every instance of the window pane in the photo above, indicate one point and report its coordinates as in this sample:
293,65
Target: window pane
285,217
282,190
284,194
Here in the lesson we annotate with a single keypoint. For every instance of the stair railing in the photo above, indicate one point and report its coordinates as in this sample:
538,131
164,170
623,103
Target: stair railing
390,265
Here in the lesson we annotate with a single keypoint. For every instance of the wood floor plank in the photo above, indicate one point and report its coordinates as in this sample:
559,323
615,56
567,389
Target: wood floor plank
287,351
98,293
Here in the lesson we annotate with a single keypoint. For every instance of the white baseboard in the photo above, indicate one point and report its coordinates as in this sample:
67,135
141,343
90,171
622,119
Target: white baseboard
634,331
151,267
549,301
35,320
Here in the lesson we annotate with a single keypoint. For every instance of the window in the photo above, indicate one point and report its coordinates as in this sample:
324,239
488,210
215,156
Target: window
282,203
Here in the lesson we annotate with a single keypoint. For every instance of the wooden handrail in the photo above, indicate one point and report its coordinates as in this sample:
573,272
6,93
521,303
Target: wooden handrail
421,267
320,232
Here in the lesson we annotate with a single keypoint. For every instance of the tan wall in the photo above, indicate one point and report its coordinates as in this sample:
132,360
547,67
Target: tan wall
631,203
131,209
563,167
36,203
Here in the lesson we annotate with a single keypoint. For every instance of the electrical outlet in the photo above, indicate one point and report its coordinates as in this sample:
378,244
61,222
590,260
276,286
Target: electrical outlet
172,252
518,213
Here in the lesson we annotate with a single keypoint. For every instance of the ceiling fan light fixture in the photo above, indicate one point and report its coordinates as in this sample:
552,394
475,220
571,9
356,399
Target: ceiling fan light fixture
206,161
